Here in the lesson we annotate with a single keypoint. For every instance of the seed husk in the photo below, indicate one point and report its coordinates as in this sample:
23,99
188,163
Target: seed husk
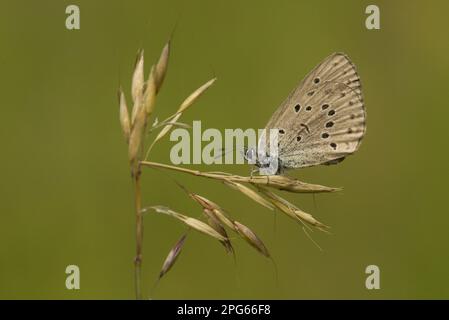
217,226
249,236
150,93
195,95
172,256
186,104
291,210
250,193
124,116
135,140
138,77
189,221
162,66
215,209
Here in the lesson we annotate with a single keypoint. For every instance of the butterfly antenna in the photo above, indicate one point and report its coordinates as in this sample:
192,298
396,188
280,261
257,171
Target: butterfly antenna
223,153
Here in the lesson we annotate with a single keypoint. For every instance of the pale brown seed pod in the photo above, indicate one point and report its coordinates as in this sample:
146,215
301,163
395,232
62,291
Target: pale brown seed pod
216,209
195,95
150,93
290,184
162,66
138,77
135,140
191,222
186,104
291,210
137,86
124,116
172,256
217,226
249,236
250,193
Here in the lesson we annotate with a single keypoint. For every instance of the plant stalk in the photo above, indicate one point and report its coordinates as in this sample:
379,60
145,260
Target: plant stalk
278,182
139,236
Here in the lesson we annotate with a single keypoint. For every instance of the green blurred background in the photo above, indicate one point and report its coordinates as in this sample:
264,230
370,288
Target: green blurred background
66,196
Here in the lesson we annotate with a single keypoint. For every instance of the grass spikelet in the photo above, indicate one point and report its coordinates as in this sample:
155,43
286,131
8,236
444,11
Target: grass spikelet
162,66
186,104
250,193
290,184
217,226
124,116
291,210
135,140
216,209
249,236
195,95
275,181
150,93
138,77
172,256
191,222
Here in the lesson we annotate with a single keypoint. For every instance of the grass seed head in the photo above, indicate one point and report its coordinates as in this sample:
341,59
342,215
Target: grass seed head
135,140
124,116
162,66
195,95
291,210
217,226
172,256
216,209
290,184
191,222
150,93
250,193
187,103
138,77
250,237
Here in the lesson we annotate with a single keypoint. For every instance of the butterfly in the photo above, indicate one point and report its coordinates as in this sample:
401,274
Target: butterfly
321,122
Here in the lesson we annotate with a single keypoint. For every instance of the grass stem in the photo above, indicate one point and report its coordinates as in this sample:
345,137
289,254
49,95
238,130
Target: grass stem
139,237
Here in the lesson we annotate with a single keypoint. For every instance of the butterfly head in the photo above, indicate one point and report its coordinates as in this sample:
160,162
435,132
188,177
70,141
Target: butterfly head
267,164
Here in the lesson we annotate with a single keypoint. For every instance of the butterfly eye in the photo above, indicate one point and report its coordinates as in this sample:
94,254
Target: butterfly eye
297,107
298,138
331,113
316,80
250,154
281,131
330,124
325,135
308,108
324,106
333,145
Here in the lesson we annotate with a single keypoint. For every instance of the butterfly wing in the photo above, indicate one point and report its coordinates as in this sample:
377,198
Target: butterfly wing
323,119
